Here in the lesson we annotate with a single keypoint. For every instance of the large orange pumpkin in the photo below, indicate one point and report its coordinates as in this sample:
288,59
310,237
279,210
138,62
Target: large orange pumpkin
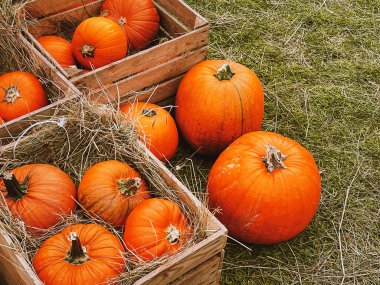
139,18
110,190
39,195
217,102
154,228
266,186
155,126
98,41
59,49
20,94
80,254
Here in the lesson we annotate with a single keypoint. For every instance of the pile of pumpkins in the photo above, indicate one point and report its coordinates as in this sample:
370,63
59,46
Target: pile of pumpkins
42,195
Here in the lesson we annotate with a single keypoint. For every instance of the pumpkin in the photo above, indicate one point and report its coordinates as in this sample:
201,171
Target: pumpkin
38,194
139,18
80,254
110,190
59,49
98,41
154,228
1,121
155,126
267,188
217,102
20,94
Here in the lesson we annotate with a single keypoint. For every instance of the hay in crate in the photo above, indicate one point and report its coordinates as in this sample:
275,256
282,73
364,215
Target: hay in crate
88,134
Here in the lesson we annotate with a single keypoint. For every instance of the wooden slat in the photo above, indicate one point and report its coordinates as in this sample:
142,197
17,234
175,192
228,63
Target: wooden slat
149,77
144,60
171,23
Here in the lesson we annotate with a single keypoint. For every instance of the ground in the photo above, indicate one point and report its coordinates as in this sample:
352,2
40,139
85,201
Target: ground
319,62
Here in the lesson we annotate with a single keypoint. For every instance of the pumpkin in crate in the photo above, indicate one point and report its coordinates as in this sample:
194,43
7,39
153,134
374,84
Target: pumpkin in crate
20,94
80,254
139,18
154,228
98,41
40,195
59,49
155,126
217,102
267,188
110,190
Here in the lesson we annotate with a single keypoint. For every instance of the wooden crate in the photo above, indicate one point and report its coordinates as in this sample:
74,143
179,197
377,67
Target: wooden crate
187,44
66,91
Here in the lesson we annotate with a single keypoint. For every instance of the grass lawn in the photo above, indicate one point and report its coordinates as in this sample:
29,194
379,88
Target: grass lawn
319,62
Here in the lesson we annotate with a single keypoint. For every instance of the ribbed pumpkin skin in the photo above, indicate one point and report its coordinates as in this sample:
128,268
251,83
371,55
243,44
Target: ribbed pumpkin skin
105,35
211,113
59,49
103,248
32,95
140,22
50,196
99,194
258,206
144,230
159,131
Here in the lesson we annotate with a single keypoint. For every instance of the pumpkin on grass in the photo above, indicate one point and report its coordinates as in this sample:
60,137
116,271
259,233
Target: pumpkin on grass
59,49
98,41
155,126
154,228
80,254
20,94
217,102
38,194
139,18
266,186
110,190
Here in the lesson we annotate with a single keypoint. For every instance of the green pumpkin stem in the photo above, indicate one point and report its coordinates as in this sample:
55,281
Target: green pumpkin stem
172,234
148,112
274,159
87,51
224,73
15,189
77,254
11,94
129,186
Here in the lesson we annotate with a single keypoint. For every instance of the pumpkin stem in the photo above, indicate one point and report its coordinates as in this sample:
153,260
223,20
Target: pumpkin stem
172,234
148,112
224,73
14,188
87,51
77,254
122,21
11,94
129,186
274,159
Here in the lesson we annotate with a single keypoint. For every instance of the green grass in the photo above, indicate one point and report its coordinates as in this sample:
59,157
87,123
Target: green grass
319,62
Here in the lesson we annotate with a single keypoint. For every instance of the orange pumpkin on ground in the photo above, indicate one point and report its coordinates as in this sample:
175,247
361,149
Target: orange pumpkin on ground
59,49
38,194
154,228
139,18
20,94
155,126
98,41
266,186
80,254
111,190
217,102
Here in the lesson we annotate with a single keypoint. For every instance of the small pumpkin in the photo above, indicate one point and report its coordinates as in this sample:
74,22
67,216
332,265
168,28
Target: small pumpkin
80,254
38,194
266,186
139,18
155,126
20,94
217,102
154,228
59,49
98,41
110,190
